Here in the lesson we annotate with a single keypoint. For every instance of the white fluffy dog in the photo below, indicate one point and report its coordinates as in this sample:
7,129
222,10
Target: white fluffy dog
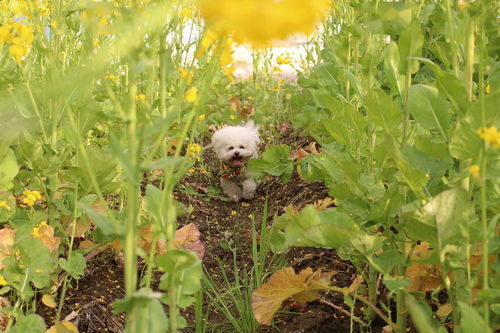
234,145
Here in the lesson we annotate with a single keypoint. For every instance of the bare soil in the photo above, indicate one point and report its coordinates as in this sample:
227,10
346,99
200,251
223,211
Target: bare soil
222,223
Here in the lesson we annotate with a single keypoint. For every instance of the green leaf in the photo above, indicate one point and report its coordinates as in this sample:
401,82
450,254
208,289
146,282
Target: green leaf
382,110
471,321
7,206
465,143
328,228
410,45
391,63
439,221
420,317
30,323
107,227
275,161
74,266
144,311
8,170
428,108
395,283
338,131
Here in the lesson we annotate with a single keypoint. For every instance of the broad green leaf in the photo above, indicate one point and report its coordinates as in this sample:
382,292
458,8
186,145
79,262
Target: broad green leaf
144,311
275,161
382,110
465,143
327,228
471,320
391,63
440,220
30,323
420,317
182,268
338,131
428,108
410,45
452,88
8,170
74,265
7,206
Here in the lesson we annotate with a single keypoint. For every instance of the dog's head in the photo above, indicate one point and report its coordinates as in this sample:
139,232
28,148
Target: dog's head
236,144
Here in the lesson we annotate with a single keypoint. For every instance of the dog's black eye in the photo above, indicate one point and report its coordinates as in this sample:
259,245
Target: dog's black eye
231,148
241,147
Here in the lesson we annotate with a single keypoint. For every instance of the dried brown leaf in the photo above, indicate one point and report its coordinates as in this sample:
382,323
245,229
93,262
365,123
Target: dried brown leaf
188,238
283,284
298,154
7,237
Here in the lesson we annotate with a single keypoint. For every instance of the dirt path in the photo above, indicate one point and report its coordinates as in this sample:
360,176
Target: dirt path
226,231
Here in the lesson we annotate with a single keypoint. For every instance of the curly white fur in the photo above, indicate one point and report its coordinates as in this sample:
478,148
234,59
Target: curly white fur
234,145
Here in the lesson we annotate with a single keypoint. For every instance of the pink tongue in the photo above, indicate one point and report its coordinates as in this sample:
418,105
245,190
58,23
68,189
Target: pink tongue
237,162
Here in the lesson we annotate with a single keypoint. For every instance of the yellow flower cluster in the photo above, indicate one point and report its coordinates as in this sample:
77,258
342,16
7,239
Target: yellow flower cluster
193,149
18,36
261,21
490,135
35,231
26,8
284,59
29,198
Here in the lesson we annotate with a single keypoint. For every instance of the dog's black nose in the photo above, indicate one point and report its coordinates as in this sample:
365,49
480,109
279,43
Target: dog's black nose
236,153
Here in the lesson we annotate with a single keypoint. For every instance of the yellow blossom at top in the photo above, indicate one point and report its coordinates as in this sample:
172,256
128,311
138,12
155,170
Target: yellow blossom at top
5,205
140,97
490,135
201,117
18,36
191,95
474,170
259,22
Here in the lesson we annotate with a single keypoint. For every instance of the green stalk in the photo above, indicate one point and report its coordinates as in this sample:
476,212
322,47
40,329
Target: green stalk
469,59
406,114
132,195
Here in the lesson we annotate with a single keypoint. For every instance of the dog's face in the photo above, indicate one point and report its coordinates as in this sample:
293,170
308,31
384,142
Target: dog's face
236,144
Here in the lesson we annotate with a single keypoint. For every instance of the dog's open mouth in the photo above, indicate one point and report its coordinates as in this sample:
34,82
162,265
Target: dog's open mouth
237,162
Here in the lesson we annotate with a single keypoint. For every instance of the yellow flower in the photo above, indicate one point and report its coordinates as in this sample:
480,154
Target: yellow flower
191,95
191,170
284,59
19,36
35,230
4,205
3,282
490,135
29,198
201,117
193,149
186,75
487,89
261,21
140,97
232,117
474,170
233,213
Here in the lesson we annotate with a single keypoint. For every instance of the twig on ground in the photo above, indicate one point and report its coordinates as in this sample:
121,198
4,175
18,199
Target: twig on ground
338,308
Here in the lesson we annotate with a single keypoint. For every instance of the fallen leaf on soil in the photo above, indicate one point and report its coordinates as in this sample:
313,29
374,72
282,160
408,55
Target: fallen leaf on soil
71,316
63,327
188,238
324,204
423,277
81,227
387,329
283,284
354,285
4,318
86,244
212,128
49,301
284,128
243,108
7,237
444,310
297,154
